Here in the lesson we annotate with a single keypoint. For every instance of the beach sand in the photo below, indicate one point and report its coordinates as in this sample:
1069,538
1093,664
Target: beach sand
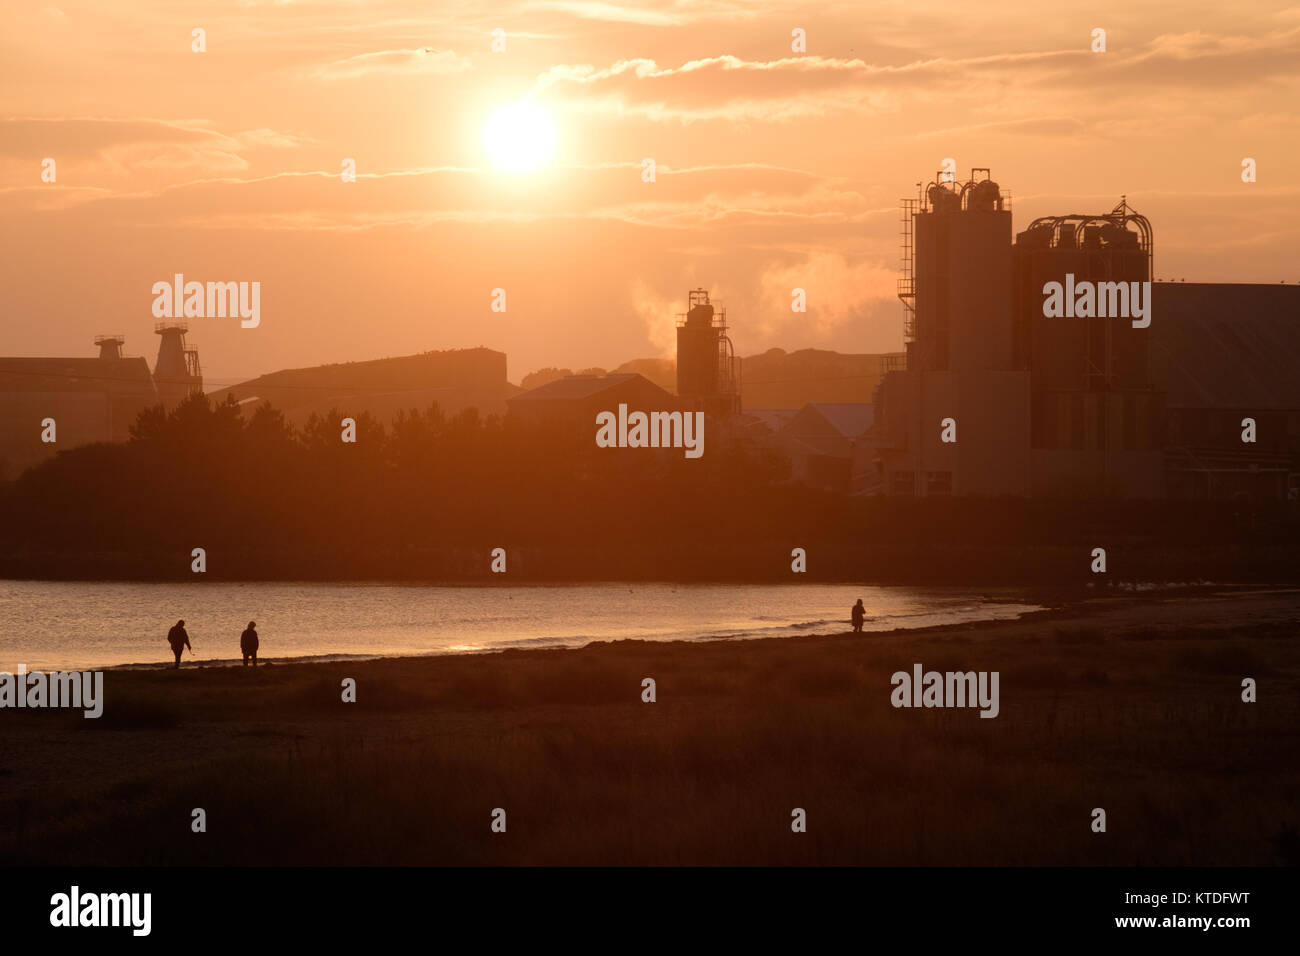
1130,703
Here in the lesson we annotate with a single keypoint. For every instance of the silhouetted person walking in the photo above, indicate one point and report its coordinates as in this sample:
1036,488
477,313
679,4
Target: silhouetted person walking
248,644
179,640
859,615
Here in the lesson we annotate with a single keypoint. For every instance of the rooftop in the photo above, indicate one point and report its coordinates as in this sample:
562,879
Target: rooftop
1226,345
72,374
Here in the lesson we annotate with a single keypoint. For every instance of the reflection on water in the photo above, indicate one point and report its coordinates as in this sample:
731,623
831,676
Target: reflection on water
64,625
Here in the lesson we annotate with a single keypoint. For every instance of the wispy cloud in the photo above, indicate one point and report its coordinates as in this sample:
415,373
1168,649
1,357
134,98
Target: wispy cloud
668,14
731,87
102,150
415,62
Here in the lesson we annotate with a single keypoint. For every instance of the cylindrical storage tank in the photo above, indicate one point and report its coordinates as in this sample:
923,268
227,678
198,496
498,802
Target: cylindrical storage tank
697,358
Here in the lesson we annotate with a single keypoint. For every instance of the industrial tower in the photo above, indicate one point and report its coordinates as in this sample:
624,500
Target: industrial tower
176,373
956,419
708,379
998,398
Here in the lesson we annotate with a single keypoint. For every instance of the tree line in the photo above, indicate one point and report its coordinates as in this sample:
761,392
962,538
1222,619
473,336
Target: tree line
427,496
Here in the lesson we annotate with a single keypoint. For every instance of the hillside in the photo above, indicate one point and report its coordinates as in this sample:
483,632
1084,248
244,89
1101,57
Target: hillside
455,379
774,379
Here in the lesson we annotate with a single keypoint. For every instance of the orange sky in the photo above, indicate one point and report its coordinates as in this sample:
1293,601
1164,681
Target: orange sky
775,169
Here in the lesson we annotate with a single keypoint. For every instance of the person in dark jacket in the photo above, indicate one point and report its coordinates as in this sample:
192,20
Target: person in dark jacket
859,615
248,644
179,640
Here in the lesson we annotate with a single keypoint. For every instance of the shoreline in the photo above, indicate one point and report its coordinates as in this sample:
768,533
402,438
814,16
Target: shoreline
1057,608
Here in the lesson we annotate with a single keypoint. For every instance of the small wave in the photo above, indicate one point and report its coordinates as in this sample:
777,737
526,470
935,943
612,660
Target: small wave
804,625
547,641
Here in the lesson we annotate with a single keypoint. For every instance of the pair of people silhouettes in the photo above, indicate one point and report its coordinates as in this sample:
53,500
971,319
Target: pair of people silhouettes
859,614
180,640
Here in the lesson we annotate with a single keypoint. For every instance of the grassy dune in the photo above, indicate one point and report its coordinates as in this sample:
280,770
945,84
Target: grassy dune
1110,706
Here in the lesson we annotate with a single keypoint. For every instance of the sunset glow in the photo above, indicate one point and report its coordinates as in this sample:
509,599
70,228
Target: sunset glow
847,450
519,137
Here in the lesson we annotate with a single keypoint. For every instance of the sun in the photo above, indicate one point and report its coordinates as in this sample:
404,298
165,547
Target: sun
519,137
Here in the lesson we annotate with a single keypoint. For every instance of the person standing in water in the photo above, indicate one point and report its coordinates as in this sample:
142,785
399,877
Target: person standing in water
859,615
248,644
179,640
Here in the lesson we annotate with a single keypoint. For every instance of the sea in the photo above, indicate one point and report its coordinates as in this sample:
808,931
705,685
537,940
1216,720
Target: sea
49,625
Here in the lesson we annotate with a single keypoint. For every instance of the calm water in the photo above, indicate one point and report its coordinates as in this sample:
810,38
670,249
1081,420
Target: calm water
49,625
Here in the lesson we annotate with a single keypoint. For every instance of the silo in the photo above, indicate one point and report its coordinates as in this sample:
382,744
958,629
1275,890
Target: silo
963,317
706,364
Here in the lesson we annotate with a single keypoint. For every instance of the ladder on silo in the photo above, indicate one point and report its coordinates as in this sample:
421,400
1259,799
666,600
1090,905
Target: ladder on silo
907,282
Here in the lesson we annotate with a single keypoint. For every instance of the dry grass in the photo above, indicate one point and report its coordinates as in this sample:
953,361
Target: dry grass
1149,726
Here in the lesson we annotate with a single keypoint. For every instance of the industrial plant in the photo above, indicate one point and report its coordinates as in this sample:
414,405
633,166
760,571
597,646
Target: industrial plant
1147,390
88,399
995,398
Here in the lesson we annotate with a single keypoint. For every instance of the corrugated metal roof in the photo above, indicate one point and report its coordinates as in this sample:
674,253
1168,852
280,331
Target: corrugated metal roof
1226,345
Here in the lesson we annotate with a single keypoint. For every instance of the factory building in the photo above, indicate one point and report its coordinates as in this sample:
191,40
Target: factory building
88,399
822,442
1095,414
1140,395
956,419
1232,355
